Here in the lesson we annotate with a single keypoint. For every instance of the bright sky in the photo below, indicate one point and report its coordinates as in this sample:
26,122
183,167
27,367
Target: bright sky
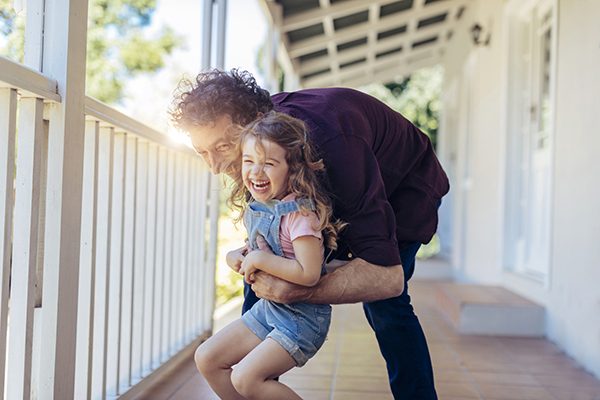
246,27
148,98
246,30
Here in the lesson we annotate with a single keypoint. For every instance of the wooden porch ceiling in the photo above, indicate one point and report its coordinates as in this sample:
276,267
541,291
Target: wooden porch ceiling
353,42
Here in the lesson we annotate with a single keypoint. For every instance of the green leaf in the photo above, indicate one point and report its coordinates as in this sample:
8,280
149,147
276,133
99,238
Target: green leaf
118,45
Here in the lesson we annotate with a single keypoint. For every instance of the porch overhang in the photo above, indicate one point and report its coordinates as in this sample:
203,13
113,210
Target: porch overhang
354,42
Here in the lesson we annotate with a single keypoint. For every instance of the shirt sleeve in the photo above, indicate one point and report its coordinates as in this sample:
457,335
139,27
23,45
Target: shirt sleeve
360,200
301,223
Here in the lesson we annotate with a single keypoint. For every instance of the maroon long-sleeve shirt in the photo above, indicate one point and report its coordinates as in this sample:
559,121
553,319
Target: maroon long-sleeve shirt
383,173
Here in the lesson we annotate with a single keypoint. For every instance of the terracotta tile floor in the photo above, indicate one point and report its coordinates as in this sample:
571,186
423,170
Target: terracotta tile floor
466,367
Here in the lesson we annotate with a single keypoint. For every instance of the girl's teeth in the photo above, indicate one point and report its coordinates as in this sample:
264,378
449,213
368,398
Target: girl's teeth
260,184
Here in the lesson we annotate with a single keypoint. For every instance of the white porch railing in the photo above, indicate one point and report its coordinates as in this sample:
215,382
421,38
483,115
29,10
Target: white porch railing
147,250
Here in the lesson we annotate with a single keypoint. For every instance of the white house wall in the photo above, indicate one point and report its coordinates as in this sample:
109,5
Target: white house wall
473,150
574,295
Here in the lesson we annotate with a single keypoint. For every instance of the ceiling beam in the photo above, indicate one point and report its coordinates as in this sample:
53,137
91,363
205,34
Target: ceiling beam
378,25
391,61
405,40
392,74
328,28
274,15
312,17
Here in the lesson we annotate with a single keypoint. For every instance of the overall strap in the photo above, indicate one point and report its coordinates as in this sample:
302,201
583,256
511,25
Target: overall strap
286,207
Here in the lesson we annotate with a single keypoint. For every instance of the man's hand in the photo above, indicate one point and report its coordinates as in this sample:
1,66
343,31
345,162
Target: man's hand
263,245
269,287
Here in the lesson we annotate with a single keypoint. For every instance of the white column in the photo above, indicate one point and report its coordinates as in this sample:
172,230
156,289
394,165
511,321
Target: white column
209,296
128,260
221,29
207,16
150,274
139,262
203,314
25,248
167,315
103,243
87,275
115,262
159,283
192,248
8,118
34,35
64,54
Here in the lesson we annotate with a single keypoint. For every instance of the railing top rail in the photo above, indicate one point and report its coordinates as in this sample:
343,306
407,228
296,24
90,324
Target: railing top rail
111,117
28,81
33,83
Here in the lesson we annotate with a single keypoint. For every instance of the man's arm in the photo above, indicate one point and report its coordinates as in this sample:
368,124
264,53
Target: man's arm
357,281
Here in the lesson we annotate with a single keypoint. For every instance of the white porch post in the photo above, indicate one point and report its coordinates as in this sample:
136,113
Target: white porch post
25,249
63,59
215,181
8,127
206,63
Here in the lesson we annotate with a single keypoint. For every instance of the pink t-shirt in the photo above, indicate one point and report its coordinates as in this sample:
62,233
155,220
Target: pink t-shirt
297,224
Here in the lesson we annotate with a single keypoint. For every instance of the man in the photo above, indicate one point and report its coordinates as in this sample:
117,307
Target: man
386,183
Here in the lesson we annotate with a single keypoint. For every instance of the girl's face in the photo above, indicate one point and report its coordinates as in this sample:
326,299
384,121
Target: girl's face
264,169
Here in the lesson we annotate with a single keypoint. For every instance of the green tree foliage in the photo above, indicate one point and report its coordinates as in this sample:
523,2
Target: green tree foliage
12,28
7,17
119,44
417,97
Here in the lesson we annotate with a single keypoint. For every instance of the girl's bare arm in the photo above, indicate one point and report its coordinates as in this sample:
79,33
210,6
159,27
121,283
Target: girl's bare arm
305,270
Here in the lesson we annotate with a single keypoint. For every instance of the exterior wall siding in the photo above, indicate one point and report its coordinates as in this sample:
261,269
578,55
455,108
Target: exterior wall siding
474,151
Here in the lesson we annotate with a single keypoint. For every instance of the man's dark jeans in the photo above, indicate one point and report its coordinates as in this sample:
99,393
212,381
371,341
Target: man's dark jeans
401,339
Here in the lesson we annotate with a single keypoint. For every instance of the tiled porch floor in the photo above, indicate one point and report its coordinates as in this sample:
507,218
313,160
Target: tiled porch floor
466,367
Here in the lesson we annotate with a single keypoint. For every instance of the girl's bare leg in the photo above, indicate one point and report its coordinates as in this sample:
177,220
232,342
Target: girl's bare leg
215,357
254,376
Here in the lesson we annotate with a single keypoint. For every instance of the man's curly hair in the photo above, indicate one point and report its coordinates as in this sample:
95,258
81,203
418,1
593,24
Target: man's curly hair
216,93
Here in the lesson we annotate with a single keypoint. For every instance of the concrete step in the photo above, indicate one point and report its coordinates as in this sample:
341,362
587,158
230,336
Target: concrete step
489,310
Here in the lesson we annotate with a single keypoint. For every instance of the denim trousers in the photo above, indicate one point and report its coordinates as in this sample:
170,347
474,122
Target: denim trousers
401,339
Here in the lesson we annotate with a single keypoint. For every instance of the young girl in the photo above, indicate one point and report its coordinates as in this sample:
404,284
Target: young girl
282,203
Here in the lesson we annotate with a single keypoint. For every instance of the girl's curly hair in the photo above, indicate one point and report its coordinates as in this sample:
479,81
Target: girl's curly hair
304,169
216,93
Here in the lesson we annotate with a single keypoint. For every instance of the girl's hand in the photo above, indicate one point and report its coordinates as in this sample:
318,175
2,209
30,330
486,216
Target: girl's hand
235,258
251,264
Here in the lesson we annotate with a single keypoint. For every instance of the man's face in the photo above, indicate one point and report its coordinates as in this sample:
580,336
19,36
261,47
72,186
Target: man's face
214,143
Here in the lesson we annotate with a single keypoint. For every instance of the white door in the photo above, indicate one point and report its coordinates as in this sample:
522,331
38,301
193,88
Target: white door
531,164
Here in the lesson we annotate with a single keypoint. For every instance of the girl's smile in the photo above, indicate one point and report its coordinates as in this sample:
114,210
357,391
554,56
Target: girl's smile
264,169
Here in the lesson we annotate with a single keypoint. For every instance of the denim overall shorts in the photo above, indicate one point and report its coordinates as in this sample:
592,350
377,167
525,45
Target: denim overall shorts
300,328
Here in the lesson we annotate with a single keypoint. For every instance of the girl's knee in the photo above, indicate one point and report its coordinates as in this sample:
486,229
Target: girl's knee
246,384
205,358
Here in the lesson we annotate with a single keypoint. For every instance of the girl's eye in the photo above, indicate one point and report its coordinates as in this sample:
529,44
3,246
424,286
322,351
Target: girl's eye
247,161
270,164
